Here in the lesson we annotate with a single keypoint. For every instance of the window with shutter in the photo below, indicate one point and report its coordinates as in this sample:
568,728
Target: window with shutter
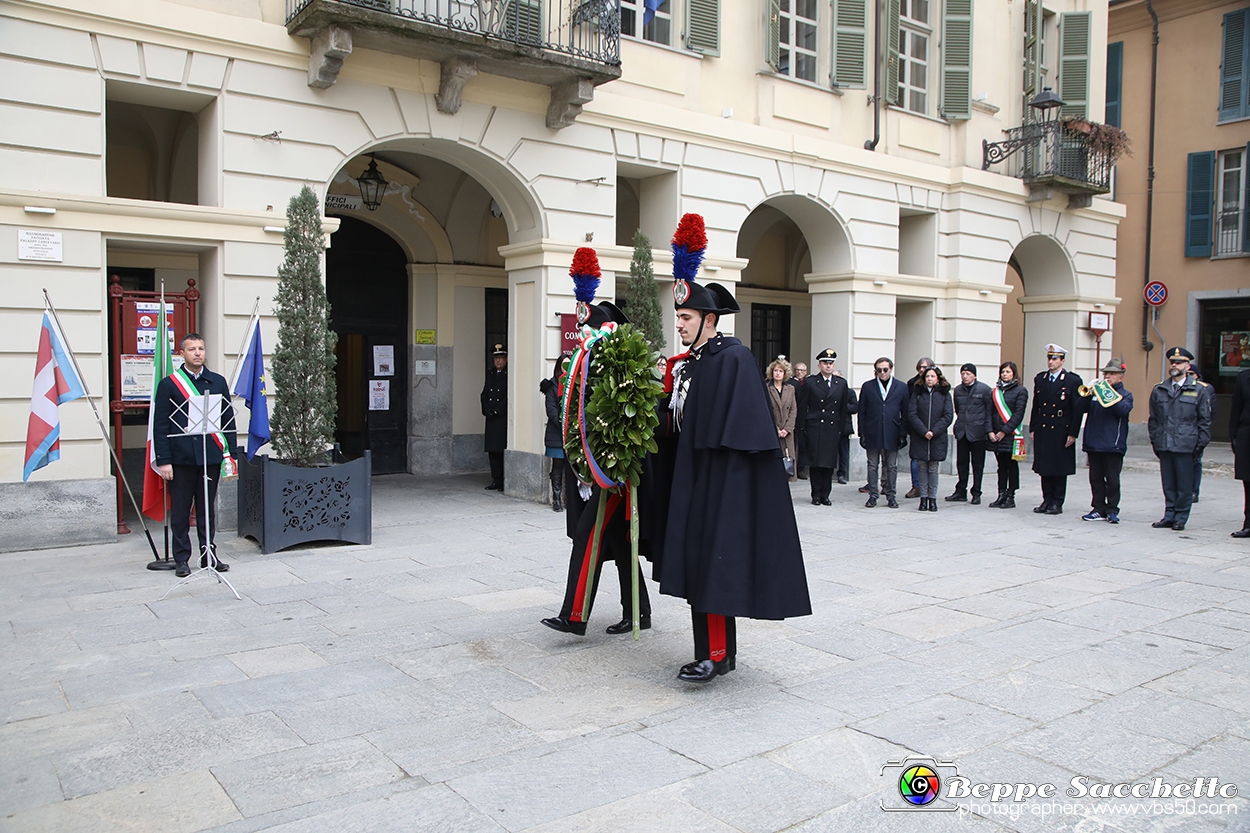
915,38
774,35
1230,202
796,38
891,35
1074,52
1115,72
957,59
850,43
703,26
1235,66
1032,56
1199,204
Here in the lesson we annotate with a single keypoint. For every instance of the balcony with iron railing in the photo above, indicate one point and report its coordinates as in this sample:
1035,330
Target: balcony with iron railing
571,46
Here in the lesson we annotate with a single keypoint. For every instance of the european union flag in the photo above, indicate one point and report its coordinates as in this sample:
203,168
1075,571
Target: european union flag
249,383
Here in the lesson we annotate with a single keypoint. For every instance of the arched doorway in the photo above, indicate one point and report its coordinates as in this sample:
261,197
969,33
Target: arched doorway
1049,303
367,286
776,314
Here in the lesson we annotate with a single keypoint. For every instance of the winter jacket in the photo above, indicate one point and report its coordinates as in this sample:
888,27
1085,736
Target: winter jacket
1106,429
883,424
1016,397
973,404
1180,421
553,436
930,409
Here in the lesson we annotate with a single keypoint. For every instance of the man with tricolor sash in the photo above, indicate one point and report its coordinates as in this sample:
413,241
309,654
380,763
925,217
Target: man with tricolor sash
181,460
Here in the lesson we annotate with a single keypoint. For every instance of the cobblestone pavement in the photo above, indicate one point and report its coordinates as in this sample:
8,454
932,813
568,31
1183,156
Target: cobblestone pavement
408,685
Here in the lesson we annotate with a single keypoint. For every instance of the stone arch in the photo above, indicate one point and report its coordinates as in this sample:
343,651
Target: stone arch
1048,303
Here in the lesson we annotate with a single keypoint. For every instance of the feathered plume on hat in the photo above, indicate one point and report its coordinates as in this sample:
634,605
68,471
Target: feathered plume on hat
585,273
689,246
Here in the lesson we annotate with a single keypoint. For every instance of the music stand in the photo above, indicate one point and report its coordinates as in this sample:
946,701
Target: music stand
203,415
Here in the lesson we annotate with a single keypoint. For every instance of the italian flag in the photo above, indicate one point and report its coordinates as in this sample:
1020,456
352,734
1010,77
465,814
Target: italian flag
162,366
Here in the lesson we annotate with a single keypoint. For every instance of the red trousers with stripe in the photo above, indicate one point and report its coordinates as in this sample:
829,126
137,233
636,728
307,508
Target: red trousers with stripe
715,637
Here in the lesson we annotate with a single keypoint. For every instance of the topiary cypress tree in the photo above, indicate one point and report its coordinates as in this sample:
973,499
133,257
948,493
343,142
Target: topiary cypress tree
643,305
305,401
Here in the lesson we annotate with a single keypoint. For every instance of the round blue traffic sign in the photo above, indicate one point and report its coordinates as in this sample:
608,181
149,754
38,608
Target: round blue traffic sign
1156,293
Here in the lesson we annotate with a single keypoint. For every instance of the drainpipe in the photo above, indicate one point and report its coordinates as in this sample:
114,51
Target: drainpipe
876,97
1147,310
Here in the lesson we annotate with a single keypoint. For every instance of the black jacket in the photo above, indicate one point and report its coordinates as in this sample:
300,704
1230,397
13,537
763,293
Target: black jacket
553,436
973,404
1056,415
171,417
1239,425
1017,400
495,409
929,409
824,408
883,423
1180,421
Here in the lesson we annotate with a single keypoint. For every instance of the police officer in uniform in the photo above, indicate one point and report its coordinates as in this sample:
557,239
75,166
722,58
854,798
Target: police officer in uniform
1054,424
826,402
1180,428
495,409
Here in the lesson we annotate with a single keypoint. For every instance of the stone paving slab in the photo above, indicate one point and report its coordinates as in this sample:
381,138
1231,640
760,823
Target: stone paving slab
407,685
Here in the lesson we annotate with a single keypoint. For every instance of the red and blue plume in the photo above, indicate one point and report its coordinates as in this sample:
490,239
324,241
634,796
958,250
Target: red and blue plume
585,273
689,245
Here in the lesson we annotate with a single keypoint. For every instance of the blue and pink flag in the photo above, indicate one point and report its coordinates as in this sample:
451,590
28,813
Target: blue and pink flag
56,382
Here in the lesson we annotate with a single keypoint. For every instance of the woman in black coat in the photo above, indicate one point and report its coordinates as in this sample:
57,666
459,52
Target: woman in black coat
930,412
1015,397
553,437
1239,431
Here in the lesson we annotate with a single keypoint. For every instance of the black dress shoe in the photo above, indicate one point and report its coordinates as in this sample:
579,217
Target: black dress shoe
1241,533
1041,509
220,566
932,504
976,500
1163,524
182,570
960,497
826,502
1178,526
1054,509
704,670
627,625
815,501
565,626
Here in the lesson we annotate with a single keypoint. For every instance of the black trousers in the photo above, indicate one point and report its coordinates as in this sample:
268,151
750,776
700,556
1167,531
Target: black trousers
1054,489
614,546
1008,472
1245,485
822,482
715,637
844,451
1104,481
186,488
967,451
1176,470
496,466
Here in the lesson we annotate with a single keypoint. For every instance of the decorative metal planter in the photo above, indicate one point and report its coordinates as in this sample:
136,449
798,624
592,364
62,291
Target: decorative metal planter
281,506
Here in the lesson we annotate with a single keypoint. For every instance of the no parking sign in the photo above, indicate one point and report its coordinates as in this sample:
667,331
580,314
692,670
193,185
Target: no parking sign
1156,293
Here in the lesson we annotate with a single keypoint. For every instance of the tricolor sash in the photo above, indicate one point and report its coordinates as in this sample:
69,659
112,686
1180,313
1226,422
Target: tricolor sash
1018,451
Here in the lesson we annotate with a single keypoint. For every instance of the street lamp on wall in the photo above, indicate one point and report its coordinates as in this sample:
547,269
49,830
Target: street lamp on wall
372,185
1045,102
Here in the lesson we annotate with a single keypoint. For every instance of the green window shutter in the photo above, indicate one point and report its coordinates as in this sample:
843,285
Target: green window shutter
1074,49
1245,203
892,12
1233,67
1115,79
957,60
850,43
703,26
524,22
1032,57
1199,204
774,35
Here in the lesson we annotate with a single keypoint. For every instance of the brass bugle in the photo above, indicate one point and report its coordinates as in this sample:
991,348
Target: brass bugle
1085,390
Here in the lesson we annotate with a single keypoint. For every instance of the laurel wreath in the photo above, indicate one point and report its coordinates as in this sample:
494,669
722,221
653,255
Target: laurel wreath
622,390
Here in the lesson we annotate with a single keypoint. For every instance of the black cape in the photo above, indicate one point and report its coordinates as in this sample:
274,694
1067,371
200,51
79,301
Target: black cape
731,544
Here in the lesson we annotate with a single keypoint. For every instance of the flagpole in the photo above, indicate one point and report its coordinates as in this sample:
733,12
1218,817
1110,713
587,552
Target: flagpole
238,357
107,440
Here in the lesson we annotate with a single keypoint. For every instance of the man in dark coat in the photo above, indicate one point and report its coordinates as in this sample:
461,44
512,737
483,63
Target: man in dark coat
183,460
1239,432
1106,442
972,430
731,545
1054,424
495,409
883,429
825,403
1180,427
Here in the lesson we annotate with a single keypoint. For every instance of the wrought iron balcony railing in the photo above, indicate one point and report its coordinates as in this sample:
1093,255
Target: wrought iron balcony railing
1052,156
589,29
570,46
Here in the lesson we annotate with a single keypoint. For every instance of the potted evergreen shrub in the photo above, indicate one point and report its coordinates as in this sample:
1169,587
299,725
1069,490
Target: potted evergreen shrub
306,492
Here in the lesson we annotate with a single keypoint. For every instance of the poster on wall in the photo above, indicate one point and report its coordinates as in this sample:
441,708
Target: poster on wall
383,360
145,332
136,376
380,395
1234,352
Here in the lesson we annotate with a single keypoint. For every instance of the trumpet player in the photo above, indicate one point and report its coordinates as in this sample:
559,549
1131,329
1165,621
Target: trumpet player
1106,407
